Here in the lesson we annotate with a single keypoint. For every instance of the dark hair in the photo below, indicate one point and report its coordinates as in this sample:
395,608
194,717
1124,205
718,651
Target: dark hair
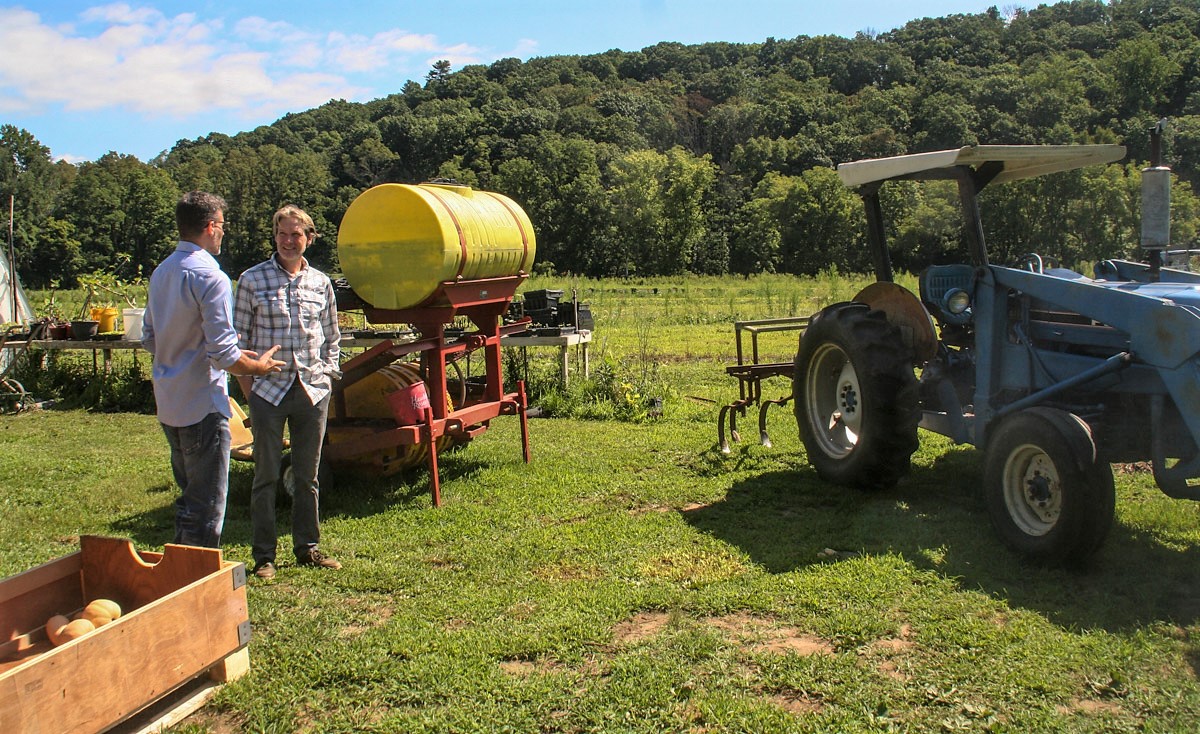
195,210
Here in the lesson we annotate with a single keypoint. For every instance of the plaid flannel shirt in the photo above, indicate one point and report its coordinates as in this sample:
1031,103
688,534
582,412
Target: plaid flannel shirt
300,315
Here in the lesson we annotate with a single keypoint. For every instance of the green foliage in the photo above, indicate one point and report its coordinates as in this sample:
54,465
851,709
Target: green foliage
122,212
706,159
105,288
73,379
613,392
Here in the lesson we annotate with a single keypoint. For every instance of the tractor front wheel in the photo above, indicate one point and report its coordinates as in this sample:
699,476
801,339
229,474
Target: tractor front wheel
1047,495
856,397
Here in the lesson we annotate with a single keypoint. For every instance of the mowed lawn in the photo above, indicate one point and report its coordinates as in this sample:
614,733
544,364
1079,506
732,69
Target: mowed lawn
632,578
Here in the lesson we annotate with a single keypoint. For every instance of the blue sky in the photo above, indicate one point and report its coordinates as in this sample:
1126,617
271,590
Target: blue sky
136,77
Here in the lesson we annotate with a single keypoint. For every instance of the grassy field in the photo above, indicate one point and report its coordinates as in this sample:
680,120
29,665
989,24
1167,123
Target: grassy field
633,579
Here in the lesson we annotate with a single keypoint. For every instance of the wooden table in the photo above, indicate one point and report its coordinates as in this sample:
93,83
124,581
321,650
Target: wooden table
103,347
564,342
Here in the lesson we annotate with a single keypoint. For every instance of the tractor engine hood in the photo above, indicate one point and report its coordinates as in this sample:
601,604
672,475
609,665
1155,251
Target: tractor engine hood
1162,319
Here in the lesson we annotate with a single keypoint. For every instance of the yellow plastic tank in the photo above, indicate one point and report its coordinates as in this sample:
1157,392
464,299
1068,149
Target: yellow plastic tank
399,242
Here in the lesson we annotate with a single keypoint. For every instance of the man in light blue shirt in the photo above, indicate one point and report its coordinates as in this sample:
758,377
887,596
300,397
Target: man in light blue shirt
188,330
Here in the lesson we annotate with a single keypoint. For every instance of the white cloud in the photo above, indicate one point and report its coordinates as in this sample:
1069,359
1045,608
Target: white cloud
120,13
525,48
254,28
356,53
124,69
141,60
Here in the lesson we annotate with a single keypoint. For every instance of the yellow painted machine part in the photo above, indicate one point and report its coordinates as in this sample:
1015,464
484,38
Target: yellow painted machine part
399,242
367,398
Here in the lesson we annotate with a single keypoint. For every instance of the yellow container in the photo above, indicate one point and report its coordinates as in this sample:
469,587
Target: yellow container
107,318
398,242
370,397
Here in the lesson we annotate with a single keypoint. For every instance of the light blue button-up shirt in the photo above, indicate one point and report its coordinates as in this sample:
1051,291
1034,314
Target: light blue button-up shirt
188,329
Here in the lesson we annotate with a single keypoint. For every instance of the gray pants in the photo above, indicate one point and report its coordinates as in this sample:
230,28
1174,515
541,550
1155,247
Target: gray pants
306,424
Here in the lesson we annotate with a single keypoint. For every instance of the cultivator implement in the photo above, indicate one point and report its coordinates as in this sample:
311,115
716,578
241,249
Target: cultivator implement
751,372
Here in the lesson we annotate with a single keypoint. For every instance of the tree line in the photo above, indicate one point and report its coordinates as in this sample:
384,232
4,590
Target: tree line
710,158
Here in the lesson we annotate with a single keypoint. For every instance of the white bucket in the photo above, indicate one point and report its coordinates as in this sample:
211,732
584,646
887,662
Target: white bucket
133,323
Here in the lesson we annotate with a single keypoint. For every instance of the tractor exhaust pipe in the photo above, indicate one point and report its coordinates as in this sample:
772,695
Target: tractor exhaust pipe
1156,203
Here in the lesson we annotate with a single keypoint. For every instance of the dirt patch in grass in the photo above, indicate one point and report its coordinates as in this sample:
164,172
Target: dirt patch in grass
892,670
443,563
1090,706
662,509
764,635
522,610
568,572
642,626
890,648
367,618
797,703
519,668
900,643
756,633
218,722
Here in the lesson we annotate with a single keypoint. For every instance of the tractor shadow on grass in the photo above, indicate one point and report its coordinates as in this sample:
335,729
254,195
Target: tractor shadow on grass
935,521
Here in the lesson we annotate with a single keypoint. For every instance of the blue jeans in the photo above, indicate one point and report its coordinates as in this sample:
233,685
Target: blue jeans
200,463
306,426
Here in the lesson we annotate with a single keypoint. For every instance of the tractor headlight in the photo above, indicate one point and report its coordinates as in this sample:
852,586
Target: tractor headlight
956,301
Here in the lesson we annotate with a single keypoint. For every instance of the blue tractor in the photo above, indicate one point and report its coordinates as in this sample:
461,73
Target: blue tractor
1054,375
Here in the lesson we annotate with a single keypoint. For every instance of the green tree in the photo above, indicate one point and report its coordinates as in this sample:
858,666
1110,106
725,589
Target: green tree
819,225
437,77
1140,76
257,181
658,204
123,213
362,160
557,181
33,181
756,239
57,256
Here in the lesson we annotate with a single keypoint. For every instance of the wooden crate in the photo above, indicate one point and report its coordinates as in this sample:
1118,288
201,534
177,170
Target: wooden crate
184,616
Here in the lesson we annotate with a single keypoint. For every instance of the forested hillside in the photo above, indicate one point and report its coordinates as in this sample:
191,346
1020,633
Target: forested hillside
709,158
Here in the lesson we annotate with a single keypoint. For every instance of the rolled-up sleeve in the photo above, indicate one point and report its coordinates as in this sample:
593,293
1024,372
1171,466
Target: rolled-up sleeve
221,341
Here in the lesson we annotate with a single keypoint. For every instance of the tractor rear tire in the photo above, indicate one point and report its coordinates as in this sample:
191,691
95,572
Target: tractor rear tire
856,397
1049,499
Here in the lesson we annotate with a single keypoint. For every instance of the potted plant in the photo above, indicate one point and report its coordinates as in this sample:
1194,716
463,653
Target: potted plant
55,327
104,289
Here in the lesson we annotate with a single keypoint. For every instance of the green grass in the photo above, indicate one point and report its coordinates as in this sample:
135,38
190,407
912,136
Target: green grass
633,579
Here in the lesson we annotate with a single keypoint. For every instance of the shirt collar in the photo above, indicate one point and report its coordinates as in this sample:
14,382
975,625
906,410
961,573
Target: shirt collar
280,268
188,247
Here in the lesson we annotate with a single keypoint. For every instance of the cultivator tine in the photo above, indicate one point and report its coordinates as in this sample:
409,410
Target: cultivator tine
721,442
762,418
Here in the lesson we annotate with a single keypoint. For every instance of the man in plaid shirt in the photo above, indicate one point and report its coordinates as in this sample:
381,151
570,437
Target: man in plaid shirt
285,301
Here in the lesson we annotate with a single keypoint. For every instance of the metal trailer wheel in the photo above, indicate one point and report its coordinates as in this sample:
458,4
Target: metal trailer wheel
1048,497
856,397
287,478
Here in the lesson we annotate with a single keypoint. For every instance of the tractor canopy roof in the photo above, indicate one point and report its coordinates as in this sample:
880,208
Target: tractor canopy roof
1001,162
